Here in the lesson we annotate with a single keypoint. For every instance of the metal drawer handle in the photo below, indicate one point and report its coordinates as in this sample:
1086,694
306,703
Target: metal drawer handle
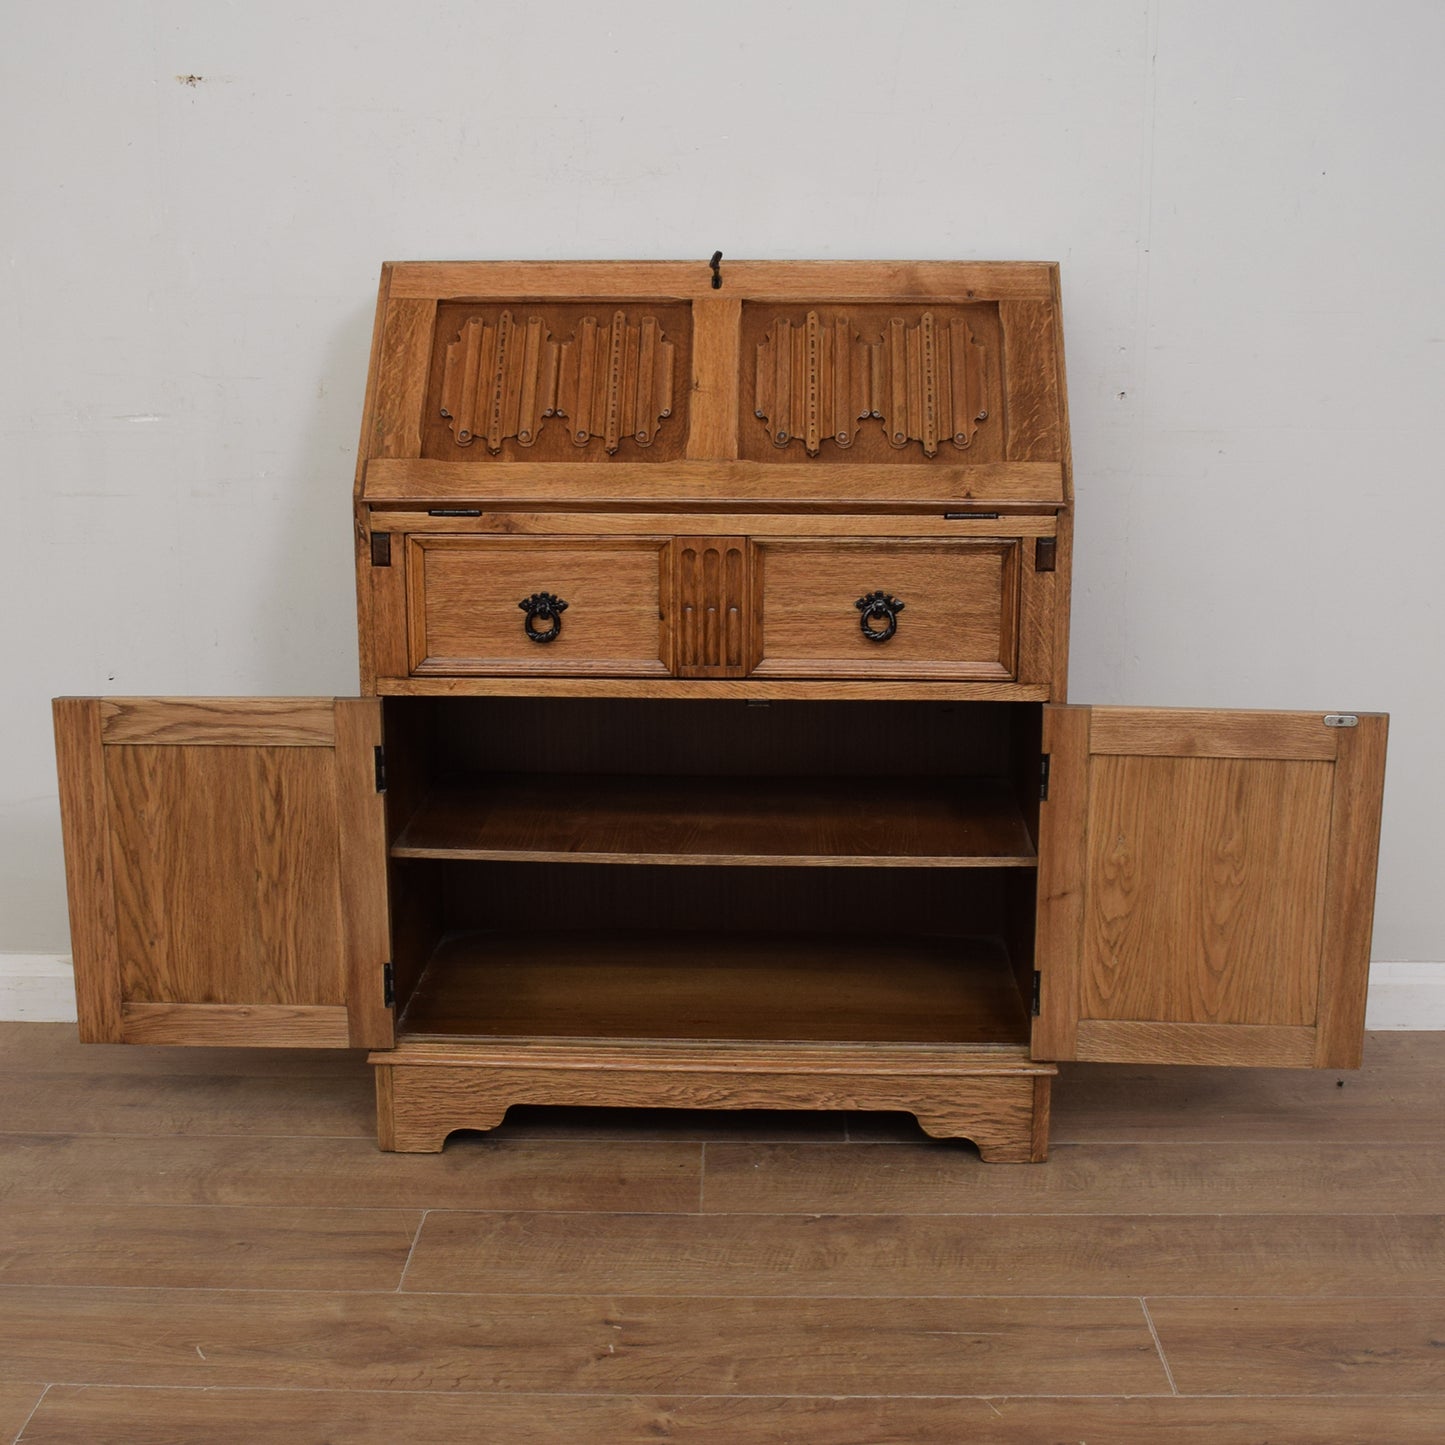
543,607
878,607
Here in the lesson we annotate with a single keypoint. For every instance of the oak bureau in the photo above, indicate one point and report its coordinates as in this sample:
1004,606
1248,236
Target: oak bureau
712,747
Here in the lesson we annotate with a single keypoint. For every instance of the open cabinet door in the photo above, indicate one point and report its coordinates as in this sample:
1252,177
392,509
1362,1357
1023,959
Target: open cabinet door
1206,885
226,866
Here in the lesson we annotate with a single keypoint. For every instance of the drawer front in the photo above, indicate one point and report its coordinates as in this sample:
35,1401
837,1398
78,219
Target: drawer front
593,608
958,619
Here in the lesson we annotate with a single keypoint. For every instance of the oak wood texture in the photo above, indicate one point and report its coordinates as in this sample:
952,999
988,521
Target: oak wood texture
765,689
692,280
823,486
716,607
464,613
525,381
79,1415
579,1344
645,1174
723,820
427,1090
275,722
718,986
970,523
17,1405
857,1255
1203,874
207,870
900,1174
899,383
1323,1181
1304,1347
713,434
89,877
206,1246
959,619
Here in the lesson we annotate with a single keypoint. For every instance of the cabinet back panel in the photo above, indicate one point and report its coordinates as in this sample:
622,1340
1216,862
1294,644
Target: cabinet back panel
583,735
227,880
598,897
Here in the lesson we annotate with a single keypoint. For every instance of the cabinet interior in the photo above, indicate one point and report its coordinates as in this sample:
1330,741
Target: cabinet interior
713,870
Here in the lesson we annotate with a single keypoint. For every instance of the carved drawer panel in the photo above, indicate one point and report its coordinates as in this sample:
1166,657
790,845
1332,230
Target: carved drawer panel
901,609
525,606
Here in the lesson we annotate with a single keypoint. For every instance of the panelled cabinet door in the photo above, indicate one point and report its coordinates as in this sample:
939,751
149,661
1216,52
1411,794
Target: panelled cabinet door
1206,885
226,868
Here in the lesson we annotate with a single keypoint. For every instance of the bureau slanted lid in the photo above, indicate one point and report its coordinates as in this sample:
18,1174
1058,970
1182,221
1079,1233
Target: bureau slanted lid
801,383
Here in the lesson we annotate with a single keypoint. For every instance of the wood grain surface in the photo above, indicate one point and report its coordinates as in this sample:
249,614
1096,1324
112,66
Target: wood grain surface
959,617
214,1245
856,1255
81,1414
795,822
718,986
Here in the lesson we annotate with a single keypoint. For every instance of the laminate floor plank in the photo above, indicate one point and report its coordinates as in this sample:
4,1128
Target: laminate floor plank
578,1344
32,1048
938,1177
1383,1102
240,1104
205,1248
1372,1346
845,1255
84,1415
474,1172
17,1402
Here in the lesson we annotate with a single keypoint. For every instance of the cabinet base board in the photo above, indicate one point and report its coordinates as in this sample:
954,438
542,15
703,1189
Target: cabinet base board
999,1100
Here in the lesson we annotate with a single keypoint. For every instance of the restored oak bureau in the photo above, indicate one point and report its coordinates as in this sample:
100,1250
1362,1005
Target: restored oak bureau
712,747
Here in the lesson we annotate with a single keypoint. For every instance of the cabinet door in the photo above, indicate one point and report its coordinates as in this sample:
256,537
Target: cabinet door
226,865
1206,885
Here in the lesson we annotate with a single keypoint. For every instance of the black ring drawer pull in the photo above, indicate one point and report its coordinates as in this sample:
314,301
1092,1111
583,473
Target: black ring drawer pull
878,607
543,607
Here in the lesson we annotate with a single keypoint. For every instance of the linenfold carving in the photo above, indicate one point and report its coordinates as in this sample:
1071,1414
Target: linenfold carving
503,379
925,382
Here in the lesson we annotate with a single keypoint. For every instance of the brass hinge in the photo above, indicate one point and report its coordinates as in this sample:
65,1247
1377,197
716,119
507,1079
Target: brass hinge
380,754
388,985
1044,778
1038,988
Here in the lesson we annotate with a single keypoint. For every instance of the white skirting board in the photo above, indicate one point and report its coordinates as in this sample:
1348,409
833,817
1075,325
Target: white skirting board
38,987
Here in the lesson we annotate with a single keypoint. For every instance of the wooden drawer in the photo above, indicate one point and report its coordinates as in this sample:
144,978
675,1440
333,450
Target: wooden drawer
959,618
464,612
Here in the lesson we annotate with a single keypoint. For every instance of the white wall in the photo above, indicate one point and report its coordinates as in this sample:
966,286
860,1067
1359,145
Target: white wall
1245,198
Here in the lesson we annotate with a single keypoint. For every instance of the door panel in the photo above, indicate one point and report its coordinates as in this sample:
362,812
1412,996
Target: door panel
1206,886
226,866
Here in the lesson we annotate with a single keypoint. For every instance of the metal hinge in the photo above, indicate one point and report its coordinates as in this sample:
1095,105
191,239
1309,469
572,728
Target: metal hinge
381,549
388,985
970,516
1044,778
1038,987
454,511
380,753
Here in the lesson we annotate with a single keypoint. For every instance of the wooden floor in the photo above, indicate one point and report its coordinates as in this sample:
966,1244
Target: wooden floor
205,1246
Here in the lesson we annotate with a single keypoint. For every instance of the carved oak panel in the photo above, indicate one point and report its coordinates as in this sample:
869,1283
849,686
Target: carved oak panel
873,382
534,381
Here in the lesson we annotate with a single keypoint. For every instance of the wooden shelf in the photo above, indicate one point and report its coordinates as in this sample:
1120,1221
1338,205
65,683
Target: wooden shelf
700,986
809,822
